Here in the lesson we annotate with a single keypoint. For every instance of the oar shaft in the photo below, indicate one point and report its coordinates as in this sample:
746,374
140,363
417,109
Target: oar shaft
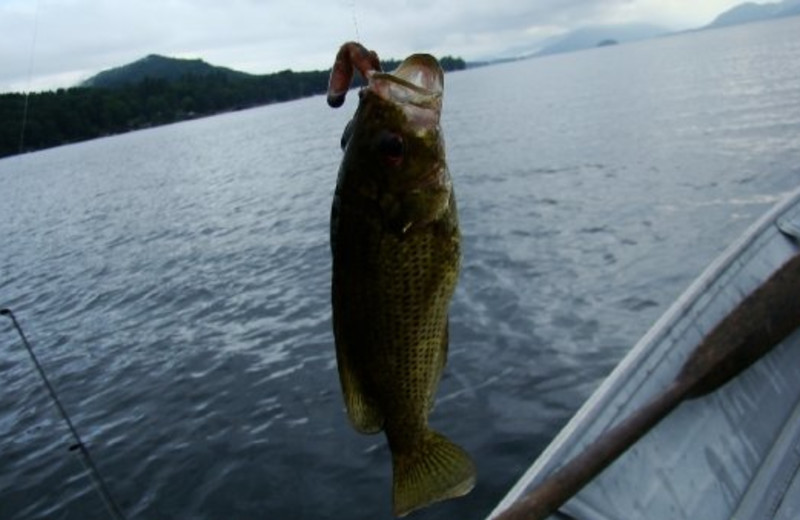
760,322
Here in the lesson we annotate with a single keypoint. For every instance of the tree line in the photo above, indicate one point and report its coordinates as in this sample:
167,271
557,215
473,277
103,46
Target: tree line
75,114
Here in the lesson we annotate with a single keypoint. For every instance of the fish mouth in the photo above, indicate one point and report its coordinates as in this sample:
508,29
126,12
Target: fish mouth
417,82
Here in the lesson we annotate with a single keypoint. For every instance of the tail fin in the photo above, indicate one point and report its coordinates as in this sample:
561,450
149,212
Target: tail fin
436,469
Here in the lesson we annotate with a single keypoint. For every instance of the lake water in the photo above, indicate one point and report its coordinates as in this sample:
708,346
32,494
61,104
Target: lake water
175,281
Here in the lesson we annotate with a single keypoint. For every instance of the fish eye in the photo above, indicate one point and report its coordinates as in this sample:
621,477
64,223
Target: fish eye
391,147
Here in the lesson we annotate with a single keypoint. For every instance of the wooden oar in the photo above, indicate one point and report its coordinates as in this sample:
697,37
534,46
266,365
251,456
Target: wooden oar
759,323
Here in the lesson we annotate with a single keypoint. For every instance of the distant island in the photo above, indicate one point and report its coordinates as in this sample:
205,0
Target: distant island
152,91
599,36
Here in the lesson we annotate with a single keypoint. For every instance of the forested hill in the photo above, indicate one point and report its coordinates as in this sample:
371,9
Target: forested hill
159,67
152,91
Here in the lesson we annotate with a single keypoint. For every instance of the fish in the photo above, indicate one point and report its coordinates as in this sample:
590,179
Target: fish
396,251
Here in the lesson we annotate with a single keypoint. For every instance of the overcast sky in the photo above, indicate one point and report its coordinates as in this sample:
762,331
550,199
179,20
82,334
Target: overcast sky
57,43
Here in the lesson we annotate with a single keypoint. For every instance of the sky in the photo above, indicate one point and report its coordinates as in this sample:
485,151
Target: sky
49,44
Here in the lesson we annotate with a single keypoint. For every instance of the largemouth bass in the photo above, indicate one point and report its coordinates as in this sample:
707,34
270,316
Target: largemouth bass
396,256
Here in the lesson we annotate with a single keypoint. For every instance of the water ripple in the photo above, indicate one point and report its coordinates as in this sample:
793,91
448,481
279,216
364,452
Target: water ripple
175,282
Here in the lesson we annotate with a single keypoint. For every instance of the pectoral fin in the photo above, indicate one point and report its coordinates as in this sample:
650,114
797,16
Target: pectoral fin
363,411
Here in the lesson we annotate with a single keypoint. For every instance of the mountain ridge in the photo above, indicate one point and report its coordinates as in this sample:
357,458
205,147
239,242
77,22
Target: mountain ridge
750,12
156,66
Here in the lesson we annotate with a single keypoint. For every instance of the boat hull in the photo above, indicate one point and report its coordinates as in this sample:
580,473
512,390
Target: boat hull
734,453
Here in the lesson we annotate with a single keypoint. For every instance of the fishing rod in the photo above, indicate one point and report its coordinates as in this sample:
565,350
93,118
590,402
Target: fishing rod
97,479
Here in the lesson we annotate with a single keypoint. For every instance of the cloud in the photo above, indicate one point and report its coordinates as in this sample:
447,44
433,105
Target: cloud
77,38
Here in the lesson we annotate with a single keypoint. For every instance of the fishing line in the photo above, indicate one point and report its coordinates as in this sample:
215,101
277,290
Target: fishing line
88,463
355,18
31,59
